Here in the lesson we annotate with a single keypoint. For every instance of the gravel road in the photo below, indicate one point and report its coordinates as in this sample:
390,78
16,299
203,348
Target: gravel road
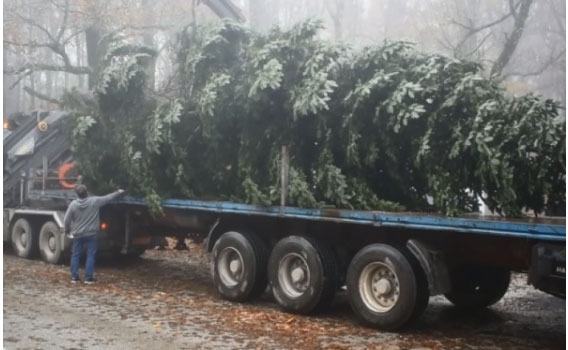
166,300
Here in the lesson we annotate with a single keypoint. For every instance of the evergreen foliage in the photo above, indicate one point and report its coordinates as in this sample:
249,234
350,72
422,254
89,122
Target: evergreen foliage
380,128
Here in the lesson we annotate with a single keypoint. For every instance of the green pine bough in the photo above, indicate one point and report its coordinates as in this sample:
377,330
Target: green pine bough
385,127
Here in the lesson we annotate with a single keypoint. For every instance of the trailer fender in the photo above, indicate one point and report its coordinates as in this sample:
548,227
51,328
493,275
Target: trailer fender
214,233
434,265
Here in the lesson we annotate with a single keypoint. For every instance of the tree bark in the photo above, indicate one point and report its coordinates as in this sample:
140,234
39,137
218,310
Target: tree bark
80,61
93,36
148,39
513,40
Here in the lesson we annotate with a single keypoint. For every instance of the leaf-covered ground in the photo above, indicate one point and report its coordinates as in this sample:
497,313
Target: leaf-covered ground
166,300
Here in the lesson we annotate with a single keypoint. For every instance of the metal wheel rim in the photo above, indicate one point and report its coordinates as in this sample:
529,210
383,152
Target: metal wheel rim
230,267
294,275
379,287
21,238
51,242
48,243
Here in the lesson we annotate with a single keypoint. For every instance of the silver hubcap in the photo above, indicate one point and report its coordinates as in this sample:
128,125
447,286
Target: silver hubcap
230,266
293,275
379,287
51,242
23,238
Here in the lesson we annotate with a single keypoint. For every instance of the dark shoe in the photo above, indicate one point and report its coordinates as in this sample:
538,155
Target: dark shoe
75,280
90,281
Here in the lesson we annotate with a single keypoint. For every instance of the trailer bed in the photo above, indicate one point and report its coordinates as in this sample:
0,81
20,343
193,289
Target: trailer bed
549,229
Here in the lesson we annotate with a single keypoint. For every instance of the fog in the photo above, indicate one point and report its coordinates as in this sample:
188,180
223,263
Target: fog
52,46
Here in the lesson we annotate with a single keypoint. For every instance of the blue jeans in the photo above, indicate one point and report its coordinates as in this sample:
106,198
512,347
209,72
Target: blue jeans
90,243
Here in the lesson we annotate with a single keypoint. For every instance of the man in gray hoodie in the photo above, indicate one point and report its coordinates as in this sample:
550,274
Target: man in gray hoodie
82,223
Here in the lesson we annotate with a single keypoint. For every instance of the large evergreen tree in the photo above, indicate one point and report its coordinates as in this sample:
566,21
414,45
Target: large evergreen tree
383,127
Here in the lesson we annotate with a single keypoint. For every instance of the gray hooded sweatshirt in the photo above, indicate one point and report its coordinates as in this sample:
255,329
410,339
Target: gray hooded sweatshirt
82,216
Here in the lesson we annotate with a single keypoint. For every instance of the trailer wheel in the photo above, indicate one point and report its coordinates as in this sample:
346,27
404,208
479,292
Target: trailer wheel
383,287
478,286
303,274
239,266
50,243
24,239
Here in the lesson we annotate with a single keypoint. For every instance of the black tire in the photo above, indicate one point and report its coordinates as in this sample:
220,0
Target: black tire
24,239
317,274
249,280
475,287
381,267
50,244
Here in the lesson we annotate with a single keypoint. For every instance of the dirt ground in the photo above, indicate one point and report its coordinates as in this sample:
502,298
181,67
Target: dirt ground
166,300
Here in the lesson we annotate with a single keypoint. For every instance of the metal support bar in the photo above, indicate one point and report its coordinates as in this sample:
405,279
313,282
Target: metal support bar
284,175
127,228
43,174
22,186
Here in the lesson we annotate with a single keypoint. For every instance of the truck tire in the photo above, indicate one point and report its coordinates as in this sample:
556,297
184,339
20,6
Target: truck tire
50,245
239,266
475,287
303,274
383,287
24,239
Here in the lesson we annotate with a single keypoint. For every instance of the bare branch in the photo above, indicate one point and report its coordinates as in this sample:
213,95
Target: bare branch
551,61
474,30
32,44
37,25
41,96
64,22
20,78
72,36
49,67
560,22
481,42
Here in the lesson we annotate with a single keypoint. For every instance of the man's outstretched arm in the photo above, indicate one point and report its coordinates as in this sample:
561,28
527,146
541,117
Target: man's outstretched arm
102,200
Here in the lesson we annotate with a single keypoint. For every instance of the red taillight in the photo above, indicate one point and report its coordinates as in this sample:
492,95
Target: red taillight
104,225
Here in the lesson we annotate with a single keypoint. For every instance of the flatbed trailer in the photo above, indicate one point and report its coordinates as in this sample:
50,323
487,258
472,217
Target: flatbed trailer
390,263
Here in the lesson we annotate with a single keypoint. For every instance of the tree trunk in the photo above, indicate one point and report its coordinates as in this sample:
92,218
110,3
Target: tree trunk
92,38
512,40
32,97
80,62
148,39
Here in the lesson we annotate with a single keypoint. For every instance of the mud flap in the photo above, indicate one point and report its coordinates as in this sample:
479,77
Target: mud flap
548,269
434,265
